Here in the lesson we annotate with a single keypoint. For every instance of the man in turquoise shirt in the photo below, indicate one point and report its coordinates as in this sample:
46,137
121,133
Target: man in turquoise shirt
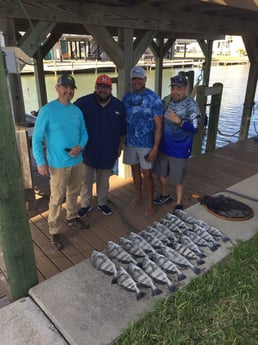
61,128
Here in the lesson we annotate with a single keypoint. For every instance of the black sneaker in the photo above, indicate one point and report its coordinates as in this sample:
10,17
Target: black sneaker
179,207
105,210
83,211
77,222
162,200
56,242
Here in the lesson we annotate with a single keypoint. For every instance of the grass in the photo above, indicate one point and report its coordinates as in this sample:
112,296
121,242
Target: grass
218,308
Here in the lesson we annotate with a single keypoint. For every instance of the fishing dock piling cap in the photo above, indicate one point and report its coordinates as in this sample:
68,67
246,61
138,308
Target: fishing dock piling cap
66,80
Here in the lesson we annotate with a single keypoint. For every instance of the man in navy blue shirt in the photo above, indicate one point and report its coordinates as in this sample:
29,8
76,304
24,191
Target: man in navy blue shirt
104,117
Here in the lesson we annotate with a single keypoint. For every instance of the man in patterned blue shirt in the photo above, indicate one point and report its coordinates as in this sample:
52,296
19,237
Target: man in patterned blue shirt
181,122
144,119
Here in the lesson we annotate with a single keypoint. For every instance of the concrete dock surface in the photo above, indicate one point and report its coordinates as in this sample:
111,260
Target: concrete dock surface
80,306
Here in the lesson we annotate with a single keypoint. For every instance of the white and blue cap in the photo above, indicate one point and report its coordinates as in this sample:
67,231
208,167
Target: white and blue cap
138,72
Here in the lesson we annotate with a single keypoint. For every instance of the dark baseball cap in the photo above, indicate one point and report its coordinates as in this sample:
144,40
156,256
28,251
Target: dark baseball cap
178,80
66,80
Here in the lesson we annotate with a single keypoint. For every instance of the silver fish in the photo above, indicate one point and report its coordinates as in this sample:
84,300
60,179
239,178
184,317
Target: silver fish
217,233
193,246
187,253
141,242
199,240
202,224
205,235
186,217
115,251
154,241
176,221
132,248
143,278
178,259
171,226
165,231
157,274
102,262
157,233
126,281
167,265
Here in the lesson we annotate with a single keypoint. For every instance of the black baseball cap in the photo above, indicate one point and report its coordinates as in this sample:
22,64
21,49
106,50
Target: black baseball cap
178,80
66,80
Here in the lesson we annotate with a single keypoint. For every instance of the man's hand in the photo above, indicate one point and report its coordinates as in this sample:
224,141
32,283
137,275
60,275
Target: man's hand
172,116
43,170
75,151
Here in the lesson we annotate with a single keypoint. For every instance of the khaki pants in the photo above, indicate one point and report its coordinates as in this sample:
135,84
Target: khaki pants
102,185
63,182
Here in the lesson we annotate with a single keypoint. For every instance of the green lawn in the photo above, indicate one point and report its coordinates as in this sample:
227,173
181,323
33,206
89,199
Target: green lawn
218,308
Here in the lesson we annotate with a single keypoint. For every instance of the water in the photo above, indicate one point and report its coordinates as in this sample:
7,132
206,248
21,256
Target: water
233,78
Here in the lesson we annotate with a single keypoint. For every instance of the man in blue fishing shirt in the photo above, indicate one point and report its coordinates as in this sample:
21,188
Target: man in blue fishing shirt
60,127
181,122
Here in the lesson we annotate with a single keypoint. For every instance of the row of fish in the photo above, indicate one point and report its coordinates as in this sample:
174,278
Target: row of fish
168,246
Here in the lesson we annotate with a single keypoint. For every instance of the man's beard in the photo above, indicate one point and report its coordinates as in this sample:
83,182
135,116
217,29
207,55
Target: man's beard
103,99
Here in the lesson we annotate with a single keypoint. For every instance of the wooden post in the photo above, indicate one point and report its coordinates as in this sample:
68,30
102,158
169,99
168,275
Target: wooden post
15,234
198,138
216,92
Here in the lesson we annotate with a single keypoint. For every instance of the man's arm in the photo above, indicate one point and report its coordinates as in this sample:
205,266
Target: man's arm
158,120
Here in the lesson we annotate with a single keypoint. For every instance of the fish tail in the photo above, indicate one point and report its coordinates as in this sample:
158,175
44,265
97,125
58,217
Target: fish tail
225,239
200,261
156,291
172,287
213,247
196,270
180,276
140,295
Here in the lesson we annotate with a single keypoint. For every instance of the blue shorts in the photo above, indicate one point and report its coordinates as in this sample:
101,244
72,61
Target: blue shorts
135,155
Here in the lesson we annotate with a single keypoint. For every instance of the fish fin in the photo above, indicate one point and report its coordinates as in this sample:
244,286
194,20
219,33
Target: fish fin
140,295
139,264
114,280
196,270
180,276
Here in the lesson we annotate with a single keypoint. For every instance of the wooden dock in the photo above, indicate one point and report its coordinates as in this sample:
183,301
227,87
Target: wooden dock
95,66
210,173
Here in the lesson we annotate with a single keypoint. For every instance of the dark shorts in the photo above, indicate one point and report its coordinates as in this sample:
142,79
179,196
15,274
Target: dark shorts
174,168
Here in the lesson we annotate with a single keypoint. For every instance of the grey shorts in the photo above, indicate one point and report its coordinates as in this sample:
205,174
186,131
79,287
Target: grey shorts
174,168
135,155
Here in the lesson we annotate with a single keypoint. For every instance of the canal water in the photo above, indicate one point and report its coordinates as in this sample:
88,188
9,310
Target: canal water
233,78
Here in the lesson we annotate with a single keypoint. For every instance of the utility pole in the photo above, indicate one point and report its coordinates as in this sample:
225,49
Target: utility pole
15,236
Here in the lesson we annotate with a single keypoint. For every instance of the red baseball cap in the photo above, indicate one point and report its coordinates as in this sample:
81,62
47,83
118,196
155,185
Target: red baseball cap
104,80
